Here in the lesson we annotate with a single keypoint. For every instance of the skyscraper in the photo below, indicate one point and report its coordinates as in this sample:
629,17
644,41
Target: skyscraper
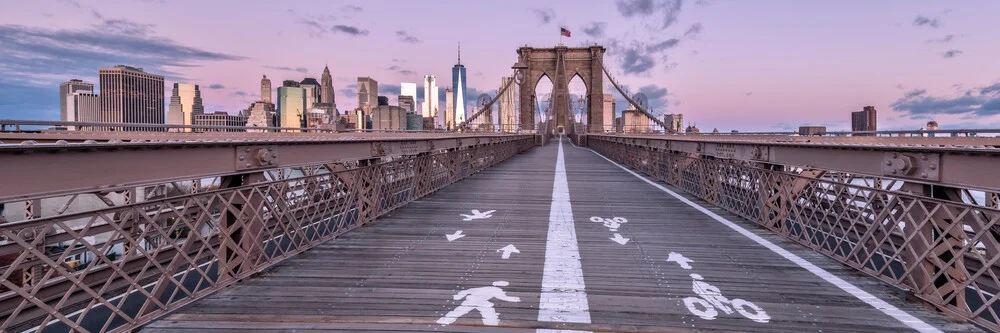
864,120
327,95
291,104
367,92
84,106
430,96
458,88
66,89
185,103
406,102
265,90
130,95
609,113
313,91
449,109
507,106
675,121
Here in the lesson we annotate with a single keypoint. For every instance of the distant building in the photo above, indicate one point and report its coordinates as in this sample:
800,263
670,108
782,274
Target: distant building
932,126
507,106
414,122
130,95
367,93
317,118
185,103
458,88
608,118
864,120
449,109
66,90
84,107
692,129
265,90
406,102
812,130
312,90
430,105
291,108
383,101
260,114
327,93
408,89
387,117
674,122
634,121
219,118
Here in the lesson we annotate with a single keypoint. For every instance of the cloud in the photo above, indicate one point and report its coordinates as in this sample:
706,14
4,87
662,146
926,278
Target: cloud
352,8
926,21
702,2
286,68
595,29
350,30
240,93
216,86
976,102
670,43
400,70
749,93
951,53
406,38
634,62
545,15
669,9
316,30
694,31
942,40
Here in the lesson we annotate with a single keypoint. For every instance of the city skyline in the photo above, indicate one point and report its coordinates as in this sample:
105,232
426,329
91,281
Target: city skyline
800,64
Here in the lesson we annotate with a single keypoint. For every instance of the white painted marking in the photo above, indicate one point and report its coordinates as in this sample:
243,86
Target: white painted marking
456,235
507,250
680,259
479,299
888,309
619,239
711,298
612,224
564,297
476,215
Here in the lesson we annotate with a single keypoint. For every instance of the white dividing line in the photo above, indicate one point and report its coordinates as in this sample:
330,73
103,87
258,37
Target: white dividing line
888,309
563,298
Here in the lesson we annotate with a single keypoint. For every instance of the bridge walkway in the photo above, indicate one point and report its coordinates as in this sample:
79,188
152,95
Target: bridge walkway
675,265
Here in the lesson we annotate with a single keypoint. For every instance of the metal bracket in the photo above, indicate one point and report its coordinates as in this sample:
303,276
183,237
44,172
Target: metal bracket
255,157
912,165
378,149
760,153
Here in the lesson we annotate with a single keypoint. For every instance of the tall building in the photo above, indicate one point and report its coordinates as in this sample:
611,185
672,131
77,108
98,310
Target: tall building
367,92
260,114
458,88
84,106
406,102
609,113
675,123
408,90
66,90
185,103
449,110
219,118
635,122
430,97
291,105
387,117
313,91
864,120
265,90
130,95
507,107
327,95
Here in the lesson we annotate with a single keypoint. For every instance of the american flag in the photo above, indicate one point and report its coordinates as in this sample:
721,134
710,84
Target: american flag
564,32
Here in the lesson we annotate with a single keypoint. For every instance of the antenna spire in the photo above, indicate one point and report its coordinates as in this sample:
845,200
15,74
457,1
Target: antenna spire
459,53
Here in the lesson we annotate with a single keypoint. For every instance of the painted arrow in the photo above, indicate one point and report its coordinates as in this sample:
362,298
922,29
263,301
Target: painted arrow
476,215
619,239
507,250
680,259
456,235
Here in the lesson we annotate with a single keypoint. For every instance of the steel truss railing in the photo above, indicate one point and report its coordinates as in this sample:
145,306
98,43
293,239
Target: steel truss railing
120,267
935,240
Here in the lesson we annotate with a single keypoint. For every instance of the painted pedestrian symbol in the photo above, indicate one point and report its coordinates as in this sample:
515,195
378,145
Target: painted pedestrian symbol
456,235
477,215
711,301
479,299
680,259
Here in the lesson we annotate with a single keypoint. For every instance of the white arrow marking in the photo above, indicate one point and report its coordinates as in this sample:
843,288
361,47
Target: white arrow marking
619,239
680,259
507,250
476,215
456,235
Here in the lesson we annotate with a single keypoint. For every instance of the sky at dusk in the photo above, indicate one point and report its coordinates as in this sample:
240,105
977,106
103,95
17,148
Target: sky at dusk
744,65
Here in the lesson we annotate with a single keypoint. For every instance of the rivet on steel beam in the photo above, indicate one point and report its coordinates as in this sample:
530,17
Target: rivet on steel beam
242,157
932,166
923,174
889,163
923,157
247,150
247,165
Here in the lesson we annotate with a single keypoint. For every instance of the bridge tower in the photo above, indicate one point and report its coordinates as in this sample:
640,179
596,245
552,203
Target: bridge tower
560,64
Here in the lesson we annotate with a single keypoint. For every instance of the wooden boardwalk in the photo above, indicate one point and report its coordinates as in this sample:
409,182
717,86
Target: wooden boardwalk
568,274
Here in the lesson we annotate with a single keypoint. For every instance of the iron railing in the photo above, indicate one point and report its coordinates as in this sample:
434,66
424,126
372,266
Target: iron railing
156,247
938,240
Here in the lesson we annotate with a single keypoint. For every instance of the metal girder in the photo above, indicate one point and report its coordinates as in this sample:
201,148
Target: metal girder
953,165
52,169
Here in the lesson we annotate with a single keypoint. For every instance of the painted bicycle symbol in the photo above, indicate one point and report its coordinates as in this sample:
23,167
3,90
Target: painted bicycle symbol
612,223
711,301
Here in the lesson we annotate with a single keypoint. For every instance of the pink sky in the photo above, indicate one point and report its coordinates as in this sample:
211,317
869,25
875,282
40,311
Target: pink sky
754,66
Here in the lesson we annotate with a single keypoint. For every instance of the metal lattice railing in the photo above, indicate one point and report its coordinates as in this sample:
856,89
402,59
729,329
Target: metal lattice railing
936,241
117,268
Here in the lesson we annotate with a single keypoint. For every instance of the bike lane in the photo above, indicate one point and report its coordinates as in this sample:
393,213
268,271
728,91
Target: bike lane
652,262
